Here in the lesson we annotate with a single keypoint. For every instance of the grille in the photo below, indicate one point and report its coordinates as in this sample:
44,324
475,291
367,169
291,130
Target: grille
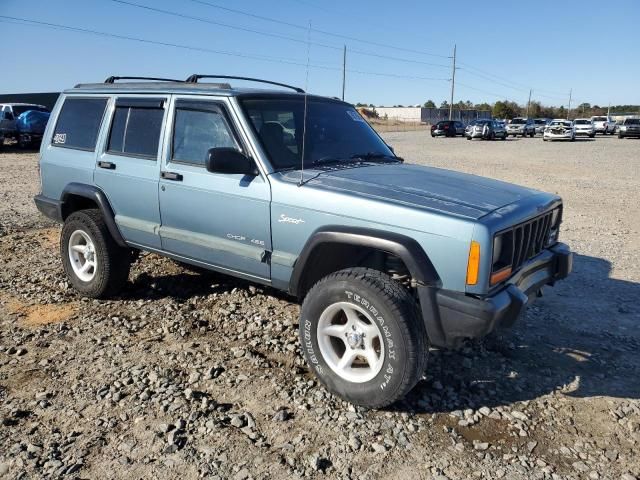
524,241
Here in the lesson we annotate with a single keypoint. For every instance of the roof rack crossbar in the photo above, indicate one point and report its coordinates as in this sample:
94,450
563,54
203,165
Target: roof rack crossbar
195,77
113,79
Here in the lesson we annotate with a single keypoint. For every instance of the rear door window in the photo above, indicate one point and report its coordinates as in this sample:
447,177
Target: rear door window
78,123
136,127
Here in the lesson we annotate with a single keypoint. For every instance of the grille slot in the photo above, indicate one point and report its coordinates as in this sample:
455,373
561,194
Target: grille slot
529,239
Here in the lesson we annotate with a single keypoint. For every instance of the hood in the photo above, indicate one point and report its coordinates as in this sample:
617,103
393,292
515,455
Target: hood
417,186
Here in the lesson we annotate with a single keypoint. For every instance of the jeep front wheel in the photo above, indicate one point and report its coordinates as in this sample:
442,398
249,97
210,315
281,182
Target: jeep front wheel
95,265
361,334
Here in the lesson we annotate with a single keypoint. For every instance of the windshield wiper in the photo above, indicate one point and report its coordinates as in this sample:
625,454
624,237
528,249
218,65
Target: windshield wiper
328,159
376,156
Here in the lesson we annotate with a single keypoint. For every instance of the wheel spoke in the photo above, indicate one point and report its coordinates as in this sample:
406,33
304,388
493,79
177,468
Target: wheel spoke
352,318
334,331
347,359
370,331
79,248
86,267
372,357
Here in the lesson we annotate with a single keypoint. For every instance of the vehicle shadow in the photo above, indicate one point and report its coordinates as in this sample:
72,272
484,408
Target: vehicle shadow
582,339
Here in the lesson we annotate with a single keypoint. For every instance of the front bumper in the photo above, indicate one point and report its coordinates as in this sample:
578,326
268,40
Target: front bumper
451,316
585,132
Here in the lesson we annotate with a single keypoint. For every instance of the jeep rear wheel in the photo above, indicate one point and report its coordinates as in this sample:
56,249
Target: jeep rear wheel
95,265
361,334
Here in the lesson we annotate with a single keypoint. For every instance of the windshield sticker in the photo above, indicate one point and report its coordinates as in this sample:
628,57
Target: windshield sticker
354,116
60,138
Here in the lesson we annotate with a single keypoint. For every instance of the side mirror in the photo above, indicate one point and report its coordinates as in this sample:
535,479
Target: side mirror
230,161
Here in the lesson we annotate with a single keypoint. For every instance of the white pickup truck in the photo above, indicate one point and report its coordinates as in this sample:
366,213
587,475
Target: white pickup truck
604,124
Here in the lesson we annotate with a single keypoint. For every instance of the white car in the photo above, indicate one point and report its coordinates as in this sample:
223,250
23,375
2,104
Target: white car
584,126
559,129
604,124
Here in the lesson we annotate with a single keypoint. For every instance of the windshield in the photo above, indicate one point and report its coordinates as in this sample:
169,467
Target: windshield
599,119
632,121
19,109
518,121
335,131
560,123
540,122
583,122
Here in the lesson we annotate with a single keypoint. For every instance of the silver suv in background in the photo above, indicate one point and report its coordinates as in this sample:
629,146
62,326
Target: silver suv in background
485,129
603,124
629,128
540,123
521,126
584,127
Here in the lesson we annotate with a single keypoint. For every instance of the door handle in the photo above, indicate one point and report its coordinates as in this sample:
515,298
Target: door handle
171,176
107,165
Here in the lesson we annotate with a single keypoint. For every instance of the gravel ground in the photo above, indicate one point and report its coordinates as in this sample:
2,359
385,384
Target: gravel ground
198,375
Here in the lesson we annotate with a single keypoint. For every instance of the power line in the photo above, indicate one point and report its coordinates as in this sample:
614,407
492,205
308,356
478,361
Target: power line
323,32
273,35
36,23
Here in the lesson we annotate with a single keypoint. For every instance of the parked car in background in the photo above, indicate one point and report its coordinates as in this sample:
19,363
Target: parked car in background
30,127
559,129
539,124
485,129
9,113
521,126
584,127
603,124
629,128
447,128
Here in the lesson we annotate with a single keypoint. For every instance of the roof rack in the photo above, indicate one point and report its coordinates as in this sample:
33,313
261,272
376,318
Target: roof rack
195,77
113,79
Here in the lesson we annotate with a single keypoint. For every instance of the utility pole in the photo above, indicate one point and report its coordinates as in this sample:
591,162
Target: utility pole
453,83
569,109
529,102
344,69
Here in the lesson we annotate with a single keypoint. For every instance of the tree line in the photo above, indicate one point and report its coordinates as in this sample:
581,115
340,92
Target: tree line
509,109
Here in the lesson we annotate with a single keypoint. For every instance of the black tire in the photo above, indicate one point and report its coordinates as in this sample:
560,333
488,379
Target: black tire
113,262
492,136
468,138
395,313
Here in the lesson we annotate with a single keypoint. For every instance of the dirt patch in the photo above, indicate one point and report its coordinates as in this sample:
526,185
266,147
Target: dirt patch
49,237
39,315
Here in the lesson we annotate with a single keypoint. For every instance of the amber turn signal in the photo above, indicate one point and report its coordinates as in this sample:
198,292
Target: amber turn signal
473,266
500,275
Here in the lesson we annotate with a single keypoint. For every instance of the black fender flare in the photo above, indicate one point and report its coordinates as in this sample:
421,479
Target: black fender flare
95,194
406,248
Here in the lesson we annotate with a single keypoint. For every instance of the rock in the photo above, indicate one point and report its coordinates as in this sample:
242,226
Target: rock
4,469
486,411
242,474
628,476
281,416
519,415
237,421
354,443
481,446
580,467
378,448
531,446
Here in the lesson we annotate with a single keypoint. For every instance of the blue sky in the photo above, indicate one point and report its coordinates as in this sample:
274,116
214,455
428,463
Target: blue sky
504,48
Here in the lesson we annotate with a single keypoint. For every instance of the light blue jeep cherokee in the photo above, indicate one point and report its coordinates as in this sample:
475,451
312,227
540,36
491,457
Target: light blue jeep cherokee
387,258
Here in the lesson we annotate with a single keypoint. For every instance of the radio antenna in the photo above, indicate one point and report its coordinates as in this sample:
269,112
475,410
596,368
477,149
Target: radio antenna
304,117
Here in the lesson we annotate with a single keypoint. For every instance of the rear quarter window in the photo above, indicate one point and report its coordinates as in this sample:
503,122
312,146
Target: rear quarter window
79,123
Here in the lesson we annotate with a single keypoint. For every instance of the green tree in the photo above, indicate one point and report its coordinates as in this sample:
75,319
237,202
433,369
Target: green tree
482,106
429,104
505,109
444,104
